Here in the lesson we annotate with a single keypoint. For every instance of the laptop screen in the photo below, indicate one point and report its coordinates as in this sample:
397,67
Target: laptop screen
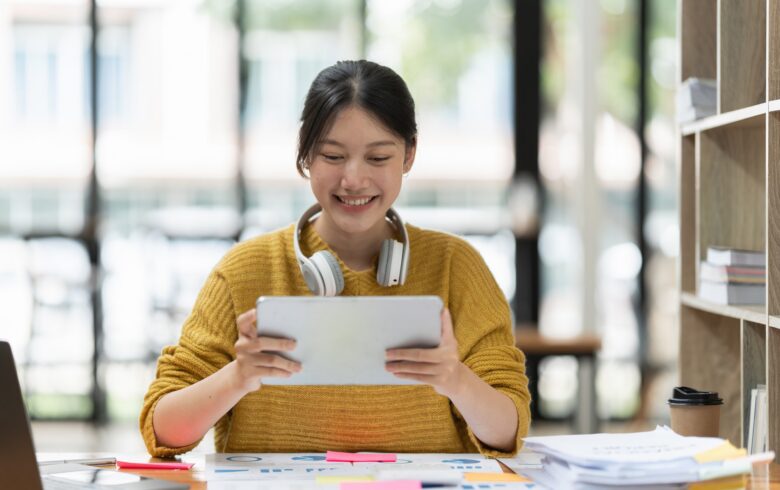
18,466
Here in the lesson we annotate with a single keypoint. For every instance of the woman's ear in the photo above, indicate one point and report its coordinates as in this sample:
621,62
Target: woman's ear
411,151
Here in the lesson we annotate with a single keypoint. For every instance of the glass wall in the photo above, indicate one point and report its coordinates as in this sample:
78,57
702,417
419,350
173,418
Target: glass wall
662,224
172,144
45,160
616,160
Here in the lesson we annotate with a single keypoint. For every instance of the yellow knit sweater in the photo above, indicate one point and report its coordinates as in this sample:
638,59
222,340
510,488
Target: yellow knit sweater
347,418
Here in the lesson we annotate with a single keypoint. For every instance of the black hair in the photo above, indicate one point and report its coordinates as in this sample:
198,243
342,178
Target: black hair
368,85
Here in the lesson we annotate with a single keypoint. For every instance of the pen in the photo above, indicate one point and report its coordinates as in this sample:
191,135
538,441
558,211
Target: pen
86,461
437,485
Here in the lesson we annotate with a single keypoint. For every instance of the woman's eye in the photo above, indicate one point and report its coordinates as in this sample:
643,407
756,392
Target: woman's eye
379,159
331,158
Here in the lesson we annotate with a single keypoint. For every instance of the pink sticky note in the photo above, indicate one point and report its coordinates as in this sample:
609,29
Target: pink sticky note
129,465
382,485
337,457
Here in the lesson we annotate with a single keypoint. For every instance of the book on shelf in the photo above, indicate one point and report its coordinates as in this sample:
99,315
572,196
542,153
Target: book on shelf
758,422
735,257
696,98
730,293
731,273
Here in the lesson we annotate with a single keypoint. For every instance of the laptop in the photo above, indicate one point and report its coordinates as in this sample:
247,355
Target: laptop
18,466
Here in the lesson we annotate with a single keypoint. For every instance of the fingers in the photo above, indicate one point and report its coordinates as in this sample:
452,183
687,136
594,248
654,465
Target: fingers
259,344
247,323
264,361
416,355
276,362
447,331
406,367
268,372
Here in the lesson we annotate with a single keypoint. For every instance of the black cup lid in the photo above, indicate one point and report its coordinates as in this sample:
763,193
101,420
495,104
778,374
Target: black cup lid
682,395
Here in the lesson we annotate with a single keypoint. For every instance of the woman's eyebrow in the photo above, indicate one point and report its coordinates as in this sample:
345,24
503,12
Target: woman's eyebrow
370,145
382,143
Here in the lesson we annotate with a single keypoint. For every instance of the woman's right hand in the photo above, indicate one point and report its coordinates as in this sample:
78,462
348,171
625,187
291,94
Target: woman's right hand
253,359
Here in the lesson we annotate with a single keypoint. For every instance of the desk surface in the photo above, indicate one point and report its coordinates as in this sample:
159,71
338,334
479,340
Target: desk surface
763,480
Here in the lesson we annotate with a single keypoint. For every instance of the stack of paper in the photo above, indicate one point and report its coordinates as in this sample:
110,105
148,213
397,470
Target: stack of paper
656,459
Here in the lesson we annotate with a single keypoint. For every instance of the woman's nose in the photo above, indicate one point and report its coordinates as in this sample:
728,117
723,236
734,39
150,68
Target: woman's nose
354,174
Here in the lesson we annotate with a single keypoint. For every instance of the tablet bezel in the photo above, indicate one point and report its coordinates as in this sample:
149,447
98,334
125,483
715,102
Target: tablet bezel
342,340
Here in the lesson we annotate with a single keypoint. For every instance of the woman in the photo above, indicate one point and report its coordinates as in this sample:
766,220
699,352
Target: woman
357,139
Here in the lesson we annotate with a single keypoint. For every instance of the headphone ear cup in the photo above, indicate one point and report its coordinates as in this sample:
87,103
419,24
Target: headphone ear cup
313,278
329,272
389,266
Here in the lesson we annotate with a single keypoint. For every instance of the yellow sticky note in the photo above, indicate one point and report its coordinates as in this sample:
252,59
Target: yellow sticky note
494,477
721,453
334,479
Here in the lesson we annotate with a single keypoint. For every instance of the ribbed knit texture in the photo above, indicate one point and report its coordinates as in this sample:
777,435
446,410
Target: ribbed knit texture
345,418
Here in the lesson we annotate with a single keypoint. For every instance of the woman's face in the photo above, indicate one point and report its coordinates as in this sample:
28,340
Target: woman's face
356,172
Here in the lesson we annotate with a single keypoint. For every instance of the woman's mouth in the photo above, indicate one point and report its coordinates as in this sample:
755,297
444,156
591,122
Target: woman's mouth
355,201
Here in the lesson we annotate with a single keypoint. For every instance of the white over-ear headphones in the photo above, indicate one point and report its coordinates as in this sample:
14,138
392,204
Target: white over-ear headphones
322,273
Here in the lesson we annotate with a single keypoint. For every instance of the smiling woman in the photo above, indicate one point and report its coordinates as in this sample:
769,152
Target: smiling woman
357,139
356,176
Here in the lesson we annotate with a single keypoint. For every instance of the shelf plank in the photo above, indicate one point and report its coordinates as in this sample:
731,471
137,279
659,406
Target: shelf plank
752,116
774,105
742,54
710,349
773,50
688,259
755,314
773,381
698,32
773,217
774,321
732,188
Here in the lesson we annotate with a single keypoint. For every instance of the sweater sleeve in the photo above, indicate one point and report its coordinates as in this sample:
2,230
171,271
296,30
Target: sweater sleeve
486,343
206,345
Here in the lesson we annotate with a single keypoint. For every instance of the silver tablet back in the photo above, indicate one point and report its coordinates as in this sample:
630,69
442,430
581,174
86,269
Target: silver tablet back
342,340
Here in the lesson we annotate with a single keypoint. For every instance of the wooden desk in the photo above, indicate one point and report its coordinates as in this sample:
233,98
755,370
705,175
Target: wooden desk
196,477
584,347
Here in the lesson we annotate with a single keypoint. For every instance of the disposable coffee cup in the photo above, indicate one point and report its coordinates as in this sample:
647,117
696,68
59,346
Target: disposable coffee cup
695,413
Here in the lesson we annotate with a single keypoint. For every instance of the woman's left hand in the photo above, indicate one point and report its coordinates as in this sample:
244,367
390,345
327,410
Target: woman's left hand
439,367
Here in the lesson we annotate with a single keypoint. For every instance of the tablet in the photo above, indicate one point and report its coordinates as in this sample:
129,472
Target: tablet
342,340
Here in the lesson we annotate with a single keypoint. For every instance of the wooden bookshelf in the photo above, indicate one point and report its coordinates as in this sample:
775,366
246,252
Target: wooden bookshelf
729,174
755,314
747,117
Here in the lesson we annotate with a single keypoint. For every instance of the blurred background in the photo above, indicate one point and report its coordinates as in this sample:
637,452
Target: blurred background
140,139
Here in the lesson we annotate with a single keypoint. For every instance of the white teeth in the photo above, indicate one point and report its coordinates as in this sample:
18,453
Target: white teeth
354,202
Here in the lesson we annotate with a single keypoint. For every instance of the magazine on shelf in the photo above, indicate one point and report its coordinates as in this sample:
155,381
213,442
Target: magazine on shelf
735,256
731,273
728,293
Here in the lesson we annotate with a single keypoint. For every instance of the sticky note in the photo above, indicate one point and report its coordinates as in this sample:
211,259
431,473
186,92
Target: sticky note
720,453
337,457
494,477
383,485
128,465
